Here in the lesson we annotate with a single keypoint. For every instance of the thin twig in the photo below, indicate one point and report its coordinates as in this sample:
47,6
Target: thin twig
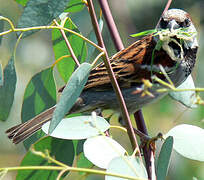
74,169
13,29
68,44
111,25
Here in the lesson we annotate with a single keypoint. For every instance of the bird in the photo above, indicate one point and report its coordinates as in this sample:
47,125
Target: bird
131,66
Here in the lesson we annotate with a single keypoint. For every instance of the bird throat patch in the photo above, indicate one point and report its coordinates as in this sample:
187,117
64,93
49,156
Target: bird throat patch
174,41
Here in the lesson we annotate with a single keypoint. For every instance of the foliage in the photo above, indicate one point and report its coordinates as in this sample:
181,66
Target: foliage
52,157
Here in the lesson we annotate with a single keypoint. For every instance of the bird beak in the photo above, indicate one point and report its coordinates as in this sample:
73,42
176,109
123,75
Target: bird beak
172,25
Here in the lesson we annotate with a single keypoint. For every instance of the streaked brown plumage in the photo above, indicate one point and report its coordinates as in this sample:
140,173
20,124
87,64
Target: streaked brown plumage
131,66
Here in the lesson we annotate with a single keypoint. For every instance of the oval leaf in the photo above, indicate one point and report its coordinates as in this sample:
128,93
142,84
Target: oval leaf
70,94
80,127
7,90
187,98
61,150
126,165
164,158
188,141
100,150
40,94
40,13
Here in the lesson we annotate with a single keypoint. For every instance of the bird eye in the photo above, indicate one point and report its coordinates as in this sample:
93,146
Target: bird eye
185,23
163,23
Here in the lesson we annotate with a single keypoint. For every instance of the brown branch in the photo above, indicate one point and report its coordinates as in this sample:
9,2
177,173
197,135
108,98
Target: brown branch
114,83
111,25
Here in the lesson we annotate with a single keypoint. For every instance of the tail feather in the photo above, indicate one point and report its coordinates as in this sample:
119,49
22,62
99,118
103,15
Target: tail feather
22,131
21,137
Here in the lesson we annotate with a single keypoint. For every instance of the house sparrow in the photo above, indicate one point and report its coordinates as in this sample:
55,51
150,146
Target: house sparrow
132,66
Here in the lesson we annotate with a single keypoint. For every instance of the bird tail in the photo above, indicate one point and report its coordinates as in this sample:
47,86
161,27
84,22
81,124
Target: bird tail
22,131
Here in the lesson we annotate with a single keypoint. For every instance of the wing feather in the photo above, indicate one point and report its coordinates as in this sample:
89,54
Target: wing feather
131,64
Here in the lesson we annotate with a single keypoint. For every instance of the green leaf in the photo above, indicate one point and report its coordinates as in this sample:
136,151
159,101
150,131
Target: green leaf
40,13
40,94
83,162
70,94
187,98
126,165
100,150
1,76
22,2
188,141
61,150
66,65
92,37
164,158
7,90
75,6
80,127
144,33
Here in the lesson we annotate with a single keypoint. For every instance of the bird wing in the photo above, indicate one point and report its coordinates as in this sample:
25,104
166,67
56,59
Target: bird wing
130,65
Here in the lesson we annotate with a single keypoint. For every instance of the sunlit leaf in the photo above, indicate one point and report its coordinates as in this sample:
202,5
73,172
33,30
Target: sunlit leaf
80,127
70,94
126,165
22,2
40,94
187,98
75,6
164,158
66,65
100,150
188,141
144,33
61,150
40,13
7,90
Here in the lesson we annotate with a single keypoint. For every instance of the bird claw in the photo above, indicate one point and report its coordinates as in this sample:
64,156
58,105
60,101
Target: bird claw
149,142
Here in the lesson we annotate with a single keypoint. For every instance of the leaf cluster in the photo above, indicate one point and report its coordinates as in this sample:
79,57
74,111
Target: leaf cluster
83,138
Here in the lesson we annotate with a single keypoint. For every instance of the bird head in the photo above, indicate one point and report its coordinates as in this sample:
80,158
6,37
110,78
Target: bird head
175,19
180,34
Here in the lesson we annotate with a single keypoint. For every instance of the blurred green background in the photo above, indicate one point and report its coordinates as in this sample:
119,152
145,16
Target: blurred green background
35,53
